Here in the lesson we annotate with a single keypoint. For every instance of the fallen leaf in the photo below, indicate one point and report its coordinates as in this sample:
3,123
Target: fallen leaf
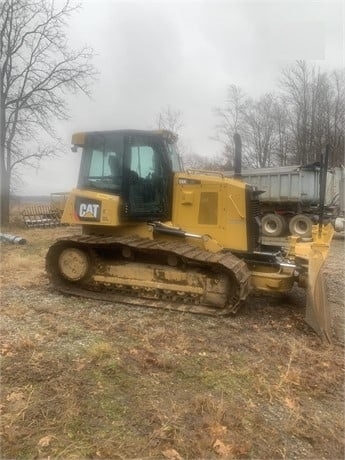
80,365
45,441
12,397
216,429
172,454
290,403
6,350
221,449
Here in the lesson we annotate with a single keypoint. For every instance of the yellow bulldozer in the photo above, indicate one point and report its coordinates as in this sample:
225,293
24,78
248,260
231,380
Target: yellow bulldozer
155,235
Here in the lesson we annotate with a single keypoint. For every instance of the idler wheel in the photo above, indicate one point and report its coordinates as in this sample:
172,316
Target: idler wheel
74,264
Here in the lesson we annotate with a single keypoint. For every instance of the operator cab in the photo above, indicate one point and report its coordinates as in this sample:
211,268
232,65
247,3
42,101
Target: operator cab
135,165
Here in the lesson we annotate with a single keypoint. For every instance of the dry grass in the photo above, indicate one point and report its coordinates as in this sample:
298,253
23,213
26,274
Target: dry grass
82,379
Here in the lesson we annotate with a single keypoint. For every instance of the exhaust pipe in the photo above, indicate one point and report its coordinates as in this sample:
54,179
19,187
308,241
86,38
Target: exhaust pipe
238,155
323,181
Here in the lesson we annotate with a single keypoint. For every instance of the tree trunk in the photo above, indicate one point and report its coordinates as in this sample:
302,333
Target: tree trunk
4,198
4,174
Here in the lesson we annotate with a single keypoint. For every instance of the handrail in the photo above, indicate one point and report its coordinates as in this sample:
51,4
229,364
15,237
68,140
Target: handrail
203,171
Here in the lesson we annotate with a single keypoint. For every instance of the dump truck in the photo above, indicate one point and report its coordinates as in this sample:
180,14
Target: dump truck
290,198
154,235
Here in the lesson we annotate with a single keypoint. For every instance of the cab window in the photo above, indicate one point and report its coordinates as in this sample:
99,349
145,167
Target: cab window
143,161
102,163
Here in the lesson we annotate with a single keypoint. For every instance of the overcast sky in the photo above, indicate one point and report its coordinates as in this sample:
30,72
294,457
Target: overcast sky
151,54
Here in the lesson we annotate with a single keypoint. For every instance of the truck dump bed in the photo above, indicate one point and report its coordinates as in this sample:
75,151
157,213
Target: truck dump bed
290,183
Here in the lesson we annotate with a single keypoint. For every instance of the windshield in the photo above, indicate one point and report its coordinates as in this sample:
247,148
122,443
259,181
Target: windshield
102,163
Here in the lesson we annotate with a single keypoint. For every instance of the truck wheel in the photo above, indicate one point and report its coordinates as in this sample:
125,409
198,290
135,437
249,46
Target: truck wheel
273,225
301,225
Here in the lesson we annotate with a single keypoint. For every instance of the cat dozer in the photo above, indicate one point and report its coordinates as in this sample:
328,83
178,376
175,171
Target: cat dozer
157,236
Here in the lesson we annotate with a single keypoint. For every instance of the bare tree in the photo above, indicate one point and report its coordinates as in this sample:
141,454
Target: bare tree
255,121
282,148
194,161
170,119
37,70
261,131
338,117
315,102
231,119
290,127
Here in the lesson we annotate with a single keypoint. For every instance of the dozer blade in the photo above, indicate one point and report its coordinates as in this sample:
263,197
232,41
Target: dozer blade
318,314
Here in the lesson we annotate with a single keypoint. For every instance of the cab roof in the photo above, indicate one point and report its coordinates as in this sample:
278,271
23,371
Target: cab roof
169,136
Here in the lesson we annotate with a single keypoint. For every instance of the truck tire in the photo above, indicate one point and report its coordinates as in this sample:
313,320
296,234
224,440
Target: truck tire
301,225
273,225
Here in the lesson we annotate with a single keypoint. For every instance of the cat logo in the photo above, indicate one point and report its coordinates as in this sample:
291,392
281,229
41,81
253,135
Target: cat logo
87,210
90,211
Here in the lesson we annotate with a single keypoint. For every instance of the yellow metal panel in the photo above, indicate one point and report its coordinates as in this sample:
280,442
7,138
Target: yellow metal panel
187,197
272,281
212,205
109,213
208,209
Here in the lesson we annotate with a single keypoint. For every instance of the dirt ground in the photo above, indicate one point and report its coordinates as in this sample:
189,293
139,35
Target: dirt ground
86,379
